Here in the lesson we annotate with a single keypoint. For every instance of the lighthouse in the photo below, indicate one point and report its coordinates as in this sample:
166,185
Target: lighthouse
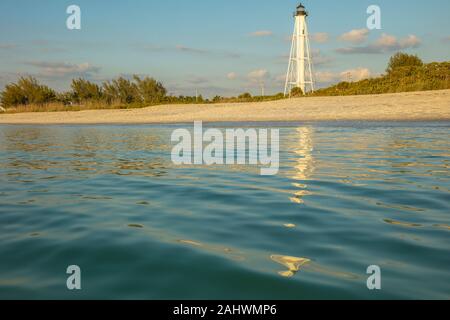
300,69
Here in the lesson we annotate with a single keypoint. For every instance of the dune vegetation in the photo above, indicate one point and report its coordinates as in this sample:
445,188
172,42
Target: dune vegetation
404,73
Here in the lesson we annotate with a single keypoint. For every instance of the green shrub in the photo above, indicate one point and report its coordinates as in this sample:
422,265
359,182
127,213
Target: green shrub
404,73
84,91
245,96
400,60
150,91
296,92
26,91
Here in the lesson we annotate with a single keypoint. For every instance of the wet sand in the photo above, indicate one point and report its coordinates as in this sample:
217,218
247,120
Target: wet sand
411,106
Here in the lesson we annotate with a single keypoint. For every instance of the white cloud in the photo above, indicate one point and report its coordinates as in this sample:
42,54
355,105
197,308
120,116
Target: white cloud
62,69
355,74
320,37
352,75
261,33
411,41
326,77
258,75
232,76
385,44
355,36
386,41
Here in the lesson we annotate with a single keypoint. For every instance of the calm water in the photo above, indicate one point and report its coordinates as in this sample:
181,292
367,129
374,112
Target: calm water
107,198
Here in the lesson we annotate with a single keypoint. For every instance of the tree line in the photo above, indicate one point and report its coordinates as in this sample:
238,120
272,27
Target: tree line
27,94
120,91
404,73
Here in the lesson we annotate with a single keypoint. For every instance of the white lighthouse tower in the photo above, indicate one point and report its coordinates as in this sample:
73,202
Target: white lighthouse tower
300,70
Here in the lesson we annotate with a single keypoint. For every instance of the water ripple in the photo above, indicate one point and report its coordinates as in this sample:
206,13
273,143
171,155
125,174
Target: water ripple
108,198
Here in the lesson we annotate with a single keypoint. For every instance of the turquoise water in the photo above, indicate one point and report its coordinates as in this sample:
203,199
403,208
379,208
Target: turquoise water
109,199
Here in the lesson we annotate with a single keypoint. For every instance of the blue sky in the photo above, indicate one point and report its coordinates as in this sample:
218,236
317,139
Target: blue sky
220,47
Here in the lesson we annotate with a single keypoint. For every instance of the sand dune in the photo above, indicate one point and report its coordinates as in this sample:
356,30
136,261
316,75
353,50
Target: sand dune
427,105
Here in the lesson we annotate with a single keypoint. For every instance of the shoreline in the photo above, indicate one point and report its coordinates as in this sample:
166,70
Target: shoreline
395,107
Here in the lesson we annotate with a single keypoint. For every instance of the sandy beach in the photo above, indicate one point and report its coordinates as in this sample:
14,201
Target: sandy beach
411,106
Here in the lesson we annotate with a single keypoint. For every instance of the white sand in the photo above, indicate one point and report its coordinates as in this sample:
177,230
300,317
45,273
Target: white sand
426,105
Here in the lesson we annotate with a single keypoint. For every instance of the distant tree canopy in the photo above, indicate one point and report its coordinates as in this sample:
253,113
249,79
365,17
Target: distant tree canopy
296,92
404,73
26,91
245,96
217,99
401,59
146,91
121,90
150,91
84,90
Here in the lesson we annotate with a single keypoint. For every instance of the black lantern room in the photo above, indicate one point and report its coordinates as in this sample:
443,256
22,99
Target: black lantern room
301,11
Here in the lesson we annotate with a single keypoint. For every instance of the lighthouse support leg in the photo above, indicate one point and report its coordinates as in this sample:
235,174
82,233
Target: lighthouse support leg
288,86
